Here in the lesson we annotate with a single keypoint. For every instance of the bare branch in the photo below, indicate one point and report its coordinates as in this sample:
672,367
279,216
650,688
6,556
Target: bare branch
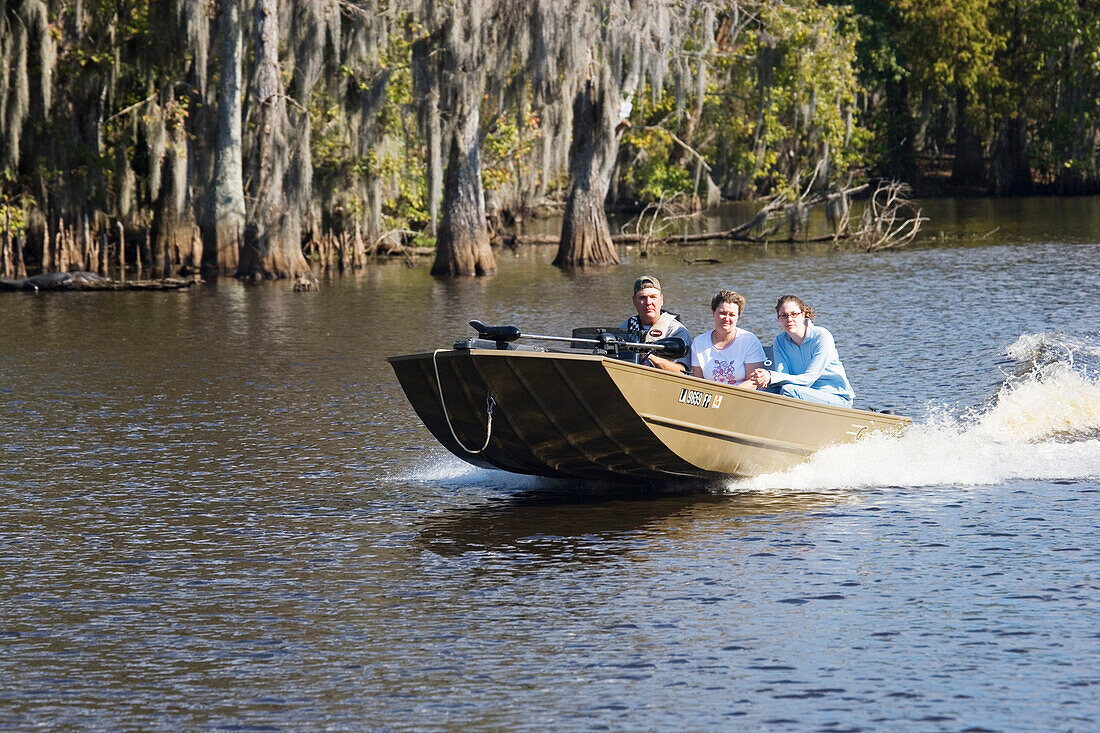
698,156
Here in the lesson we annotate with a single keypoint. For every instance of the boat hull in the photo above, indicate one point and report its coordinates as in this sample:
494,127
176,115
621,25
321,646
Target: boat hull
594,417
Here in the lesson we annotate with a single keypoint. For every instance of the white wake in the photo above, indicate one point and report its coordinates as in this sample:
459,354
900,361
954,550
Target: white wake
1042,424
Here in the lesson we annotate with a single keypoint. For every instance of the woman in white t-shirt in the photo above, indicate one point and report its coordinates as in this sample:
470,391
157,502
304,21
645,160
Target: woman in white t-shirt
727,354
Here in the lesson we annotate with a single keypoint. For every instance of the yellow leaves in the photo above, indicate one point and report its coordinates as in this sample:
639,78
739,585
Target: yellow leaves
13,218
656,141
507,148
948,42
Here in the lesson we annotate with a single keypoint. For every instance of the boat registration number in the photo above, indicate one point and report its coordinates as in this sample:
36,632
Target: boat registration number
697,398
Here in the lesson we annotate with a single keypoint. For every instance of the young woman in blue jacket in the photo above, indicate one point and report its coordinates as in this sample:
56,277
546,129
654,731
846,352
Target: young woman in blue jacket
806,364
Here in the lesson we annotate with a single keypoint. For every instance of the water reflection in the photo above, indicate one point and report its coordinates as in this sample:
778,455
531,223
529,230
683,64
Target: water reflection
577,524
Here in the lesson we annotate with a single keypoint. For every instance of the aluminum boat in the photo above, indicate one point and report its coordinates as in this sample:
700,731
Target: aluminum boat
585,409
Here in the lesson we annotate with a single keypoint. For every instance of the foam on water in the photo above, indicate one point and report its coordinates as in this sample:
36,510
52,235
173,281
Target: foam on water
1044,423
1041,349
439,466
436,465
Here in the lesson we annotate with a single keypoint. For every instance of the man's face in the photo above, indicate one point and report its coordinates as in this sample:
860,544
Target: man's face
648,301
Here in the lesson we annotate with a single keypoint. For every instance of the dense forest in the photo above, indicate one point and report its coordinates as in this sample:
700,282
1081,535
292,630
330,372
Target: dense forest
260,138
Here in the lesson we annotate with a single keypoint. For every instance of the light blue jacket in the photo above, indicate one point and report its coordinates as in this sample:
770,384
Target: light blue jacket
815,363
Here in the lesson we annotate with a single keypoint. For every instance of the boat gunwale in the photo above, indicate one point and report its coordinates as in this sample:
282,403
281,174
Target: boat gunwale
611,364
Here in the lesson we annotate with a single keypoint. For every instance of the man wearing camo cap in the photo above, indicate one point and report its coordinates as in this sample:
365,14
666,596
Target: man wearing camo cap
653,323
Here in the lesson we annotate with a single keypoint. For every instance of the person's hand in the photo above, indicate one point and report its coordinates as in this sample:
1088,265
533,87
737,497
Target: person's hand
761,377
667,364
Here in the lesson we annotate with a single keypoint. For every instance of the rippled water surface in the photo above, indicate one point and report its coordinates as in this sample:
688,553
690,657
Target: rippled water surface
219,511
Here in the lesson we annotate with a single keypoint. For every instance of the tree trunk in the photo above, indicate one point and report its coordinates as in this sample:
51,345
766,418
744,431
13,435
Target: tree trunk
309,28
901,158
969,166
273,247
225,227
7,263
173,225
121,251
435,159
426,86
585,236
462,247
1011,167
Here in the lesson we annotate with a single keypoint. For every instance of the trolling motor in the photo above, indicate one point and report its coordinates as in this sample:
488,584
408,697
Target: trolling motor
500,334
605,342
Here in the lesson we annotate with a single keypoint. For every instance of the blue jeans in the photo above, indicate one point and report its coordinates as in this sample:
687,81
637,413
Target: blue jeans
813,395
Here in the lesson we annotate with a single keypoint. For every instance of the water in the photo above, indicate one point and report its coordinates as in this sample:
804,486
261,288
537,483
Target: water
220,513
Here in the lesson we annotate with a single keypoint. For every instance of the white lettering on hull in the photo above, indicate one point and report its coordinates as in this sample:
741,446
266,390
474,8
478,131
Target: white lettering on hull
698,398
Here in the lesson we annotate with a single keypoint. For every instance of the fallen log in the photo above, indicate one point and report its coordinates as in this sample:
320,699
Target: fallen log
84,281
889,221
734,235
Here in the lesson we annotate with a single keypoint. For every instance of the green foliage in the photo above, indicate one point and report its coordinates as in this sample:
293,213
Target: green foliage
651,176
13,217
1050,46
334,160
423,238
1014,64
392,155
408,206
808,116
777,108
810,89
506,150
784,105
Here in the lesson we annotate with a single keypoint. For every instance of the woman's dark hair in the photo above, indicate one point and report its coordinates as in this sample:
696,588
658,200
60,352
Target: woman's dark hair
728,296
802,305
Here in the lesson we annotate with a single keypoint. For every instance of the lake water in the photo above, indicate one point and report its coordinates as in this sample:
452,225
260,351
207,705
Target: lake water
219,512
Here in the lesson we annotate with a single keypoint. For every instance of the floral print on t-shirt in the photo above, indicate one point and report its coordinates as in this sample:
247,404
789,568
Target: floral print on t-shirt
726,372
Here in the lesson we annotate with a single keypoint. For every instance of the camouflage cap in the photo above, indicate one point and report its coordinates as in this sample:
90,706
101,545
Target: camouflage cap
646,281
